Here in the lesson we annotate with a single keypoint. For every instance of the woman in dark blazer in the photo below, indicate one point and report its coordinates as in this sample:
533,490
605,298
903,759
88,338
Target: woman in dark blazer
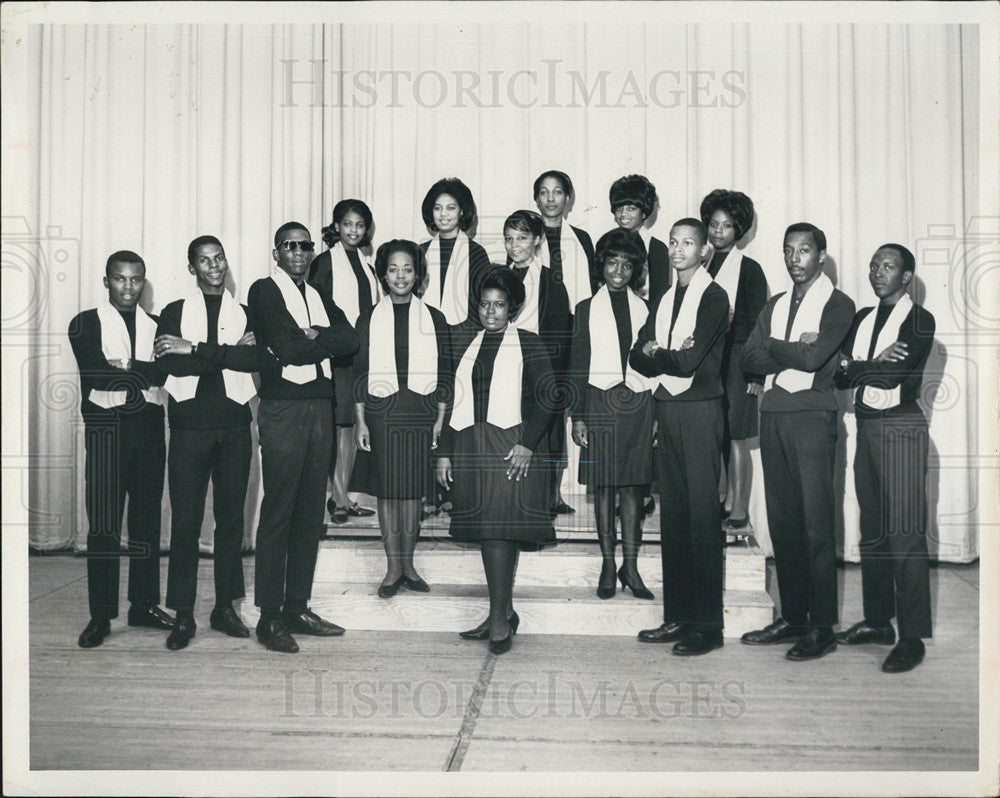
455,263
400,378
344,273
612,407
728,215
487,451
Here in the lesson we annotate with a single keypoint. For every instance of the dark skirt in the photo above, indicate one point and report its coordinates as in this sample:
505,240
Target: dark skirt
741,407
401,463
619,438
488,506
343,394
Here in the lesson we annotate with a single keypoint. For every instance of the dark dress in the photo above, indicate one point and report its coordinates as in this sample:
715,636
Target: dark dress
659,274
479,264
619,420
751,296
321,278
400,426
486,505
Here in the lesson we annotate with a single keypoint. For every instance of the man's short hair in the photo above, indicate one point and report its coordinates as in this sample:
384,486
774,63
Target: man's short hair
909,262
690,221
123,256
287,227
562,177
201,241
819,237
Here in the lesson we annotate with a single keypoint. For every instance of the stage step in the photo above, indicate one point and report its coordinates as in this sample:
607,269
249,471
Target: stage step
554,592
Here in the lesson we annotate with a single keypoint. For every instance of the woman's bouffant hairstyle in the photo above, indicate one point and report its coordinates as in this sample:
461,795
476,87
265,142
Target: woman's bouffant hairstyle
340,210
453,187
386,250
627,244
735,204
562,177
528,222
502,278
633,190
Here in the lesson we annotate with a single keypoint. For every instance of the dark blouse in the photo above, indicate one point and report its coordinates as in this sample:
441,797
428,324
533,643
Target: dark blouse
751,296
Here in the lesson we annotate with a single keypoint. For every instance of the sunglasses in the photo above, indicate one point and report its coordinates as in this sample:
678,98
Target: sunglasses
291,246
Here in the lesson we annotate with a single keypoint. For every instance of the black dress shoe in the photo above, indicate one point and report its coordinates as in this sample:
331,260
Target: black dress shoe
389,590
418,584
648,507
152,617
776,632
274,634
339,515
94,634
183,631
502,646
561,508
639,590
862,632
482,632
815,644
309,623
695,643
357,511
905,656
664,633
227,621
604,591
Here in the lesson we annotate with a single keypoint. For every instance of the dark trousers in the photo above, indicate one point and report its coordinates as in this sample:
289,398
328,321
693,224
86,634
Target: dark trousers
692,542
295,440
118,466
797,450
195,456
890,469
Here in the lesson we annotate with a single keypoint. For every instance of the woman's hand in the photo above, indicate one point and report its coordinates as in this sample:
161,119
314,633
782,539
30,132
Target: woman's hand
580,433
171,345
436,432
518,459
443,472
361,436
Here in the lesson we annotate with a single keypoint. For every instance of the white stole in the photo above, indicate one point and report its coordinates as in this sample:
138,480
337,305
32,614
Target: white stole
646,236
194,327
422,374
687,319
528,317
345,282
605,355
807,319
116,345
305,312
504,408
453,298
880,398
728,277
575,267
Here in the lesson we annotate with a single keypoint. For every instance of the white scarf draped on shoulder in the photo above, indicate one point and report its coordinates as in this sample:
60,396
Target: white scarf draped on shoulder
345,282
605,356
687,319
422,362
807,319
194,327
307,311
452,299
575,265
117,345
529,316
504,407
728,277
880,398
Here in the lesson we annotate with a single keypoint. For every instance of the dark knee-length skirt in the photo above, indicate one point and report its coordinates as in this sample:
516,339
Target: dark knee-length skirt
488,506
619,438
741,407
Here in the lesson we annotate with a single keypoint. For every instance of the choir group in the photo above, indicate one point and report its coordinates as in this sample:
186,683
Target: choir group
432,375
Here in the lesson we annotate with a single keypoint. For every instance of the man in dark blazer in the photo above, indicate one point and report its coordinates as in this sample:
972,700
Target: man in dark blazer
122,408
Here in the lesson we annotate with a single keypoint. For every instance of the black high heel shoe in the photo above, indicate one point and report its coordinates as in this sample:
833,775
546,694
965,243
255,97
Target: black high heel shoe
607,592
640,591
390,590
482,632
503,645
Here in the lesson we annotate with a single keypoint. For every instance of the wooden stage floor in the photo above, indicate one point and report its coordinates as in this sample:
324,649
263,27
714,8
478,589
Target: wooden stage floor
388,701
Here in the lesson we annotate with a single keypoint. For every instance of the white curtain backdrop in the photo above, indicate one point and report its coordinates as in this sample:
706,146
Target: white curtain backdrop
143,137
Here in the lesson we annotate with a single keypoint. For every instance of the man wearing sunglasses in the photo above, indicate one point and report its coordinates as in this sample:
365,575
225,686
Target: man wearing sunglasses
297,332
